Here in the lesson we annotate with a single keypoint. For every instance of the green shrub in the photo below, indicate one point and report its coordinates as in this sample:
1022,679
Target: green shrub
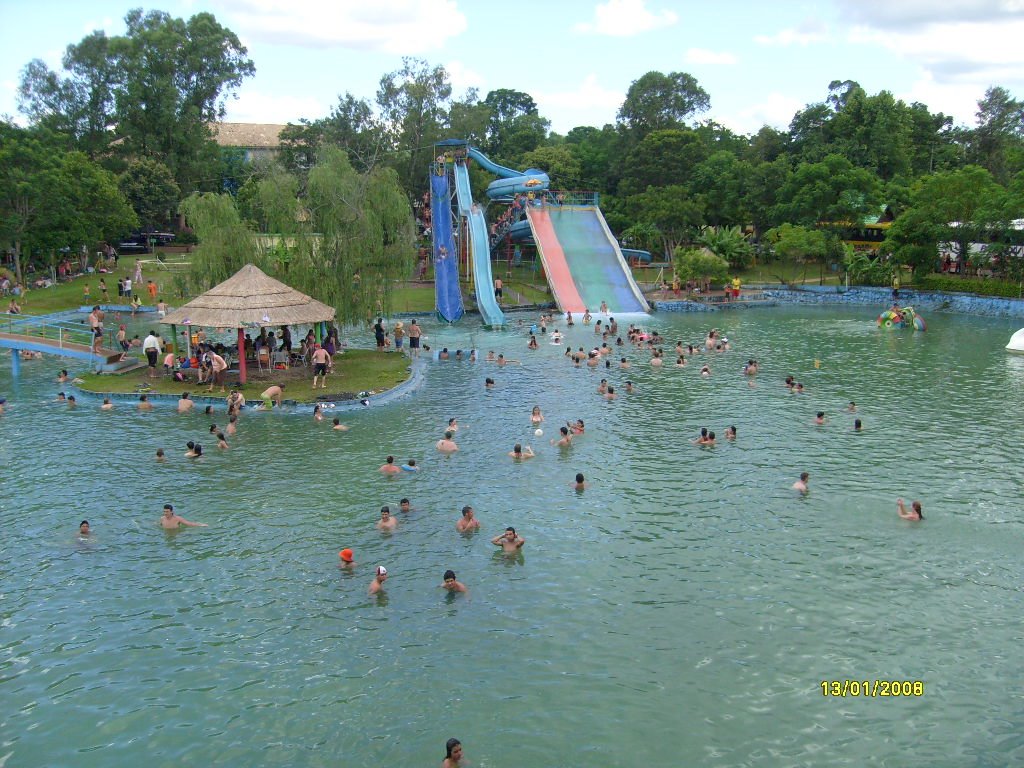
976,285
185,237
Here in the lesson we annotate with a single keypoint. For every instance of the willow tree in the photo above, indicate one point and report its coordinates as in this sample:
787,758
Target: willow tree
226,244
347,241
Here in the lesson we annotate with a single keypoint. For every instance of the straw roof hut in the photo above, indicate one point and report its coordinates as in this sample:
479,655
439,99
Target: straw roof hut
250,299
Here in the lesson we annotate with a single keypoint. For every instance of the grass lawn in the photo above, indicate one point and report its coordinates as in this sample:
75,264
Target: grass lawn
71,294
358,370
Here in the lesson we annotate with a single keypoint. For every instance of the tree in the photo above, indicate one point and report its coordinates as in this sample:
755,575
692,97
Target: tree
671,210
1000,129
351,125
657,102
52,199
558,162
80,105
701,265
152,192
504,107
468,119
661,159
226,244
800,244
594,149
729,243
722,181
346,240
413,102
831,192
156,89
959,207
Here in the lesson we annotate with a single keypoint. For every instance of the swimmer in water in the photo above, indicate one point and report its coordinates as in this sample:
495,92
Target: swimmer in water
536,417
580,483
565,440
405,506
195,450
489,383
318,413
703,437
221,442
386,522
518,452
630,389
83,528
107,405
852,407
452,584
820,418
705,371
801,484
232,424
171,522
160,455
857,426
730,433
377,585
610,394
185,403
446,444
509,541
389,467
468,521
410,466
915,512
339,426
347,559
453,754
63,376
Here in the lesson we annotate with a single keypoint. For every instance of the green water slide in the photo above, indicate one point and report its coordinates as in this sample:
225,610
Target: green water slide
578,236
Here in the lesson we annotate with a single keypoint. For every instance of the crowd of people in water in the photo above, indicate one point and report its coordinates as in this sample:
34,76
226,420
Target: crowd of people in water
611,348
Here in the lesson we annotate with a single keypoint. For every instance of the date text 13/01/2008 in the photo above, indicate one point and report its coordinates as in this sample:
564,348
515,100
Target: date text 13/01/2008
872,688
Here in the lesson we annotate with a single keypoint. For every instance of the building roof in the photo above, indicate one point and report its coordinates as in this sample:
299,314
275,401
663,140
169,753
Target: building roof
249,298
248,135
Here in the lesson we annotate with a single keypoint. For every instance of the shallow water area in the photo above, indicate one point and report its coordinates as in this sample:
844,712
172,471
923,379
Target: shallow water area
682,610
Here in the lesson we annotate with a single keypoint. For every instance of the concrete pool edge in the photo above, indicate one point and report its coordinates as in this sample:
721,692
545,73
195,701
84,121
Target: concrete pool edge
960,303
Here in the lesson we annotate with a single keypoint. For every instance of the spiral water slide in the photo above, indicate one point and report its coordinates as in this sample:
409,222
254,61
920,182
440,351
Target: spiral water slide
582,260
448,296
479,250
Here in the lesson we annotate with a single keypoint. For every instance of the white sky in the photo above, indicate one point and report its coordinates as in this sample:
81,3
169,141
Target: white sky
760,61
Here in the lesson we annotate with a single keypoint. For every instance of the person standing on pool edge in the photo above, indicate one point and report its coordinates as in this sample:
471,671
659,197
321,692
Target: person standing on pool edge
414,338
151,347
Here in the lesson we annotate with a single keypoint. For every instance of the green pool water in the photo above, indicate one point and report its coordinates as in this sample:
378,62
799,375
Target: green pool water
683,610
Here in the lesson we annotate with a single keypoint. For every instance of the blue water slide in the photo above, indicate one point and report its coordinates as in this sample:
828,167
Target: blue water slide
510,181
479,249
446,265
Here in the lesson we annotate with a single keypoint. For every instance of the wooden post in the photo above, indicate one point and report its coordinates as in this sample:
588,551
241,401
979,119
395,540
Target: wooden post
241,355
173,346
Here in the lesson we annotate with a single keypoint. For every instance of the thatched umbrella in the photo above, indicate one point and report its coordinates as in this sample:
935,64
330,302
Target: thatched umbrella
249,299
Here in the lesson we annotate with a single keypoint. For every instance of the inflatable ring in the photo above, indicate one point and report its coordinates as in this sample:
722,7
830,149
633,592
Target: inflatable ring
888,323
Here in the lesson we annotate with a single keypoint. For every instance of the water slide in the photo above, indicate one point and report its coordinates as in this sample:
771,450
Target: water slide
448,295
582,260
509,181
479,249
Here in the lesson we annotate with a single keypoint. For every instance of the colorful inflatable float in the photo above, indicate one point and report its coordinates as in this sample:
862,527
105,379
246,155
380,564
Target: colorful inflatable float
901,318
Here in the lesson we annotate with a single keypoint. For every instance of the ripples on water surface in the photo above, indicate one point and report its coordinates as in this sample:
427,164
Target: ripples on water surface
681,611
